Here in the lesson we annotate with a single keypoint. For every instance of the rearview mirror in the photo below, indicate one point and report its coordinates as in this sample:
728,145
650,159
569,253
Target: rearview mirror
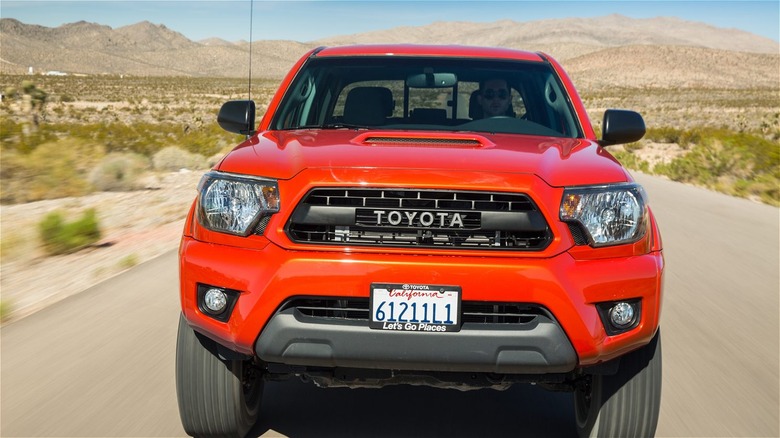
238,116
432,80
621,126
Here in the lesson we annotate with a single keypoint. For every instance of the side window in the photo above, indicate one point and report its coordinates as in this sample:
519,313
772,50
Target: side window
558,107
298,109
518,103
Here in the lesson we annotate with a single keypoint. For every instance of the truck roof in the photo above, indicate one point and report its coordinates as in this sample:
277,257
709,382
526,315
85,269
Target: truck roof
429,50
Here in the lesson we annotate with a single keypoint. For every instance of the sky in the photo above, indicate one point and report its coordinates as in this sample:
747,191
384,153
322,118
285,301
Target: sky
311,20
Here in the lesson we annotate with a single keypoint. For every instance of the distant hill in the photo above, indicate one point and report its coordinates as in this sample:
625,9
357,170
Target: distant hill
603,51
674,66
576,36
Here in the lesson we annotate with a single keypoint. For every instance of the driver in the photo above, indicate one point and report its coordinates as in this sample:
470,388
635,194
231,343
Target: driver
494,97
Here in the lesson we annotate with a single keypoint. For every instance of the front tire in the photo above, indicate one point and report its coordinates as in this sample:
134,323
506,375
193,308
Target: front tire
217,397
625,404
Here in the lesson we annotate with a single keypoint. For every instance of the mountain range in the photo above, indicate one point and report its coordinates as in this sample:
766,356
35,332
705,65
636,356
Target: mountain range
605,51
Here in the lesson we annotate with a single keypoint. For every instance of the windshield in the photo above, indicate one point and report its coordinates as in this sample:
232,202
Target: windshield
419,93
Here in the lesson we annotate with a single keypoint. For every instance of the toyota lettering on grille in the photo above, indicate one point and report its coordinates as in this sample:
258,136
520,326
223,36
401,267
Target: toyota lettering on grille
439,219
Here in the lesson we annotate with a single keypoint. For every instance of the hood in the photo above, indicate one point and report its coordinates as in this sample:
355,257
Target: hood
558,161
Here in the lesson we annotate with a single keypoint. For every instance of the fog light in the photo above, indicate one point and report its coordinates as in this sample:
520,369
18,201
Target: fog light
621,315
215,300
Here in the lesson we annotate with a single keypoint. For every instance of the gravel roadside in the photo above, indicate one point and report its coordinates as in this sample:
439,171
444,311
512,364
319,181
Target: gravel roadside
136,226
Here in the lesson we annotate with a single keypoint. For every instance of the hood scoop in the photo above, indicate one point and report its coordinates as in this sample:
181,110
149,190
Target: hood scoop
423,139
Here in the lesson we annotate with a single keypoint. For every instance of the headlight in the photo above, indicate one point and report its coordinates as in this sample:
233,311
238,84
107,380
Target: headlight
611,215
235,203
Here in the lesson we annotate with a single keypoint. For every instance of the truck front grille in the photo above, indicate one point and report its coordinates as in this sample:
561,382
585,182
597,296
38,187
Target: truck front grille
419,218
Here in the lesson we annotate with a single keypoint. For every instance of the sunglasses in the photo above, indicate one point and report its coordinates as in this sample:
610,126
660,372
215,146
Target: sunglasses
491,94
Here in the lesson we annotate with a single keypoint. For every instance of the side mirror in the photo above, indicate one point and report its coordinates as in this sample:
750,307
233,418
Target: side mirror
621,126
238,116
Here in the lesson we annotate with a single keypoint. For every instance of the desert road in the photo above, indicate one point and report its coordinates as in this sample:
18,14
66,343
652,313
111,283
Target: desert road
101,363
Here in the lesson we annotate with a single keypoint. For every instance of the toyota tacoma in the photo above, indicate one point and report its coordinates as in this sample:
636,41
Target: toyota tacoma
436,215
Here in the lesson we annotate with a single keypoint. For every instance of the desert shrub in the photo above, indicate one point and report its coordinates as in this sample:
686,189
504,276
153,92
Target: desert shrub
140,138
52,170
61,237
214,159
5,310
631,161
12,244
666,134
764,188
635,146
149,138
35,92
207,139
119,172
704,164
14,138
663,134
735,163
173,158
128,261
10,131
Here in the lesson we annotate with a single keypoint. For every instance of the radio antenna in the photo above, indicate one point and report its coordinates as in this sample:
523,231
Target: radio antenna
251,14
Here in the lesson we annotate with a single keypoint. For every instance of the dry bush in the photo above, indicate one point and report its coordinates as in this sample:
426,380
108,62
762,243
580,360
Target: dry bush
5,309
53,170
173,158
216,158
119,171
735,163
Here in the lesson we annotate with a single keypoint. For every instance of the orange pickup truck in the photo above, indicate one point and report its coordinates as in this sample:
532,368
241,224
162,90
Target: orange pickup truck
438,215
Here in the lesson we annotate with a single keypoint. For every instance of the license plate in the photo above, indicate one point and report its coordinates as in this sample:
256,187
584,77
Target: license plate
415,307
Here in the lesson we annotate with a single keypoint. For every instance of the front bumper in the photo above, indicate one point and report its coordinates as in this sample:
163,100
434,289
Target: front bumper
535,348
568,288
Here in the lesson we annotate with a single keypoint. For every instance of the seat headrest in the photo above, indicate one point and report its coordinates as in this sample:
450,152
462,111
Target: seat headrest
475,109
368,105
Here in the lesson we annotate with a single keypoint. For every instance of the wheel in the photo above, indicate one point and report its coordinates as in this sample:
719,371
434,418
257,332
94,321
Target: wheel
217,396
625,404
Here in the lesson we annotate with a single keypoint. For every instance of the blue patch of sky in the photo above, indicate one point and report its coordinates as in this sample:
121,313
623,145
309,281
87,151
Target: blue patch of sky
311,20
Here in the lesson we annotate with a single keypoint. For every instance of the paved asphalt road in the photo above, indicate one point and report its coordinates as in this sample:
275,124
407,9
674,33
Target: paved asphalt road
102,363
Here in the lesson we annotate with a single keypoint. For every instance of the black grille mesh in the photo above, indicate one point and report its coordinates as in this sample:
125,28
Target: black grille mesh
443,219
260,228
578,234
